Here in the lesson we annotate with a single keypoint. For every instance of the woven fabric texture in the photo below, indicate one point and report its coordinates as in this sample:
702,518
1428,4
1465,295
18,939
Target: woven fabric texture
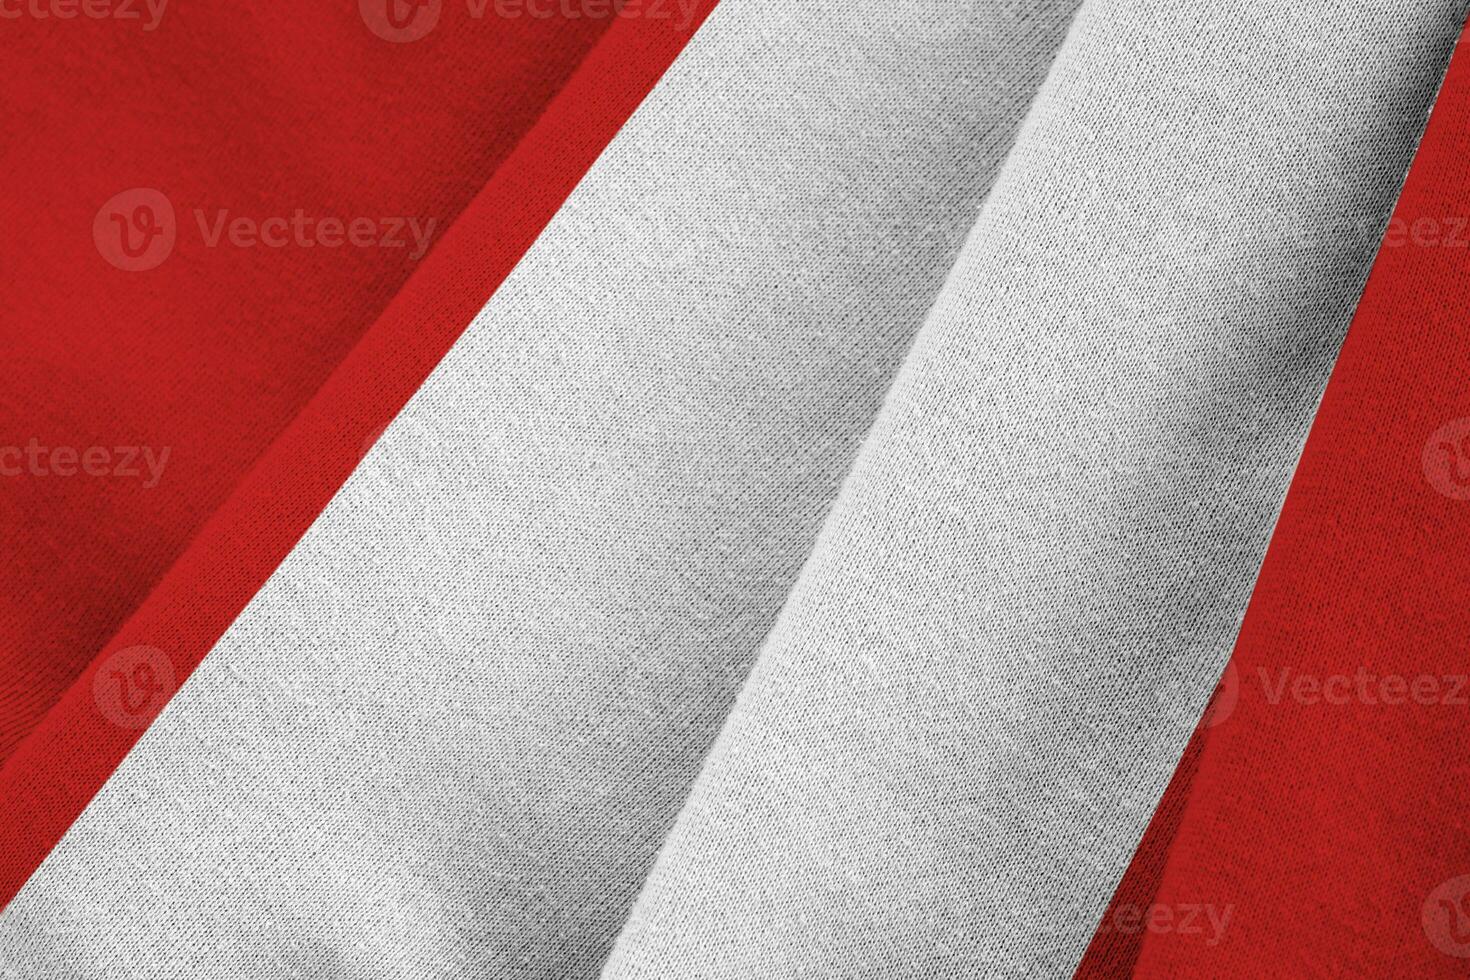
948,368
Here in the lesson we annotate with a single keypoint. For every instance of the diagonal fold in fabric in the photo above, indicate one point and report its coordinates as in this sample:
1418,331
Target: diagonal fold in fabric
986,673
57,768
1328,811
249,129
448,735
452,732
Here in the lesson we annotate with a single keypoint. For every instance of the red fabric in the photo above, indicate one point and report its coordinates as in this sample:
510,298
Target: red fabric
268,371
1328,817
257,109
1114,949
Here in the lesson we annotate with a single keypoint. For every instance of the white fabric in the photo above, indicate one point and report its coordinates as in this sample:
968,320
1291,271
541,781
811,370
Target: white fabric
451,734
982,681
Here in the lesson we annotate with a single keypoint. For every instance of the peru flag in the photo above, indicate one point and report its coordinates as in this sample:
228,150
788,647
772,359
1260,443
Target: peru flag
654,489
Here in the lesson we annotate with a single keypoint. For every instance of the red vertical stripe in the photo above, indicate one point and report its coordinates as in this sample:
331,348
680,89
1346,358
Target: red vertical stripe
232,122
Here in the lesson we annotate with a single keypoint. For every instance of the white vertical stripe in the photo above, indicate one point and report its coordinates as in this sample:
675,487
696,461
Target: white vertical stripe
981,683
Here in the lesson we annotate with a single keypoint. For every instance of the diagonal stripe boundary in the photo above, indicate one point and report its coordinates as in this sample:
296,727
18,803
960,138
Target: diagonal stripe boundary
55,772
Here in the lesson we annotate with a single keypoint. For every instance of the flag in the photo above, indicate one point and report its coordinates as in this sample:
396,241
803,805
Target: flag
656,488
